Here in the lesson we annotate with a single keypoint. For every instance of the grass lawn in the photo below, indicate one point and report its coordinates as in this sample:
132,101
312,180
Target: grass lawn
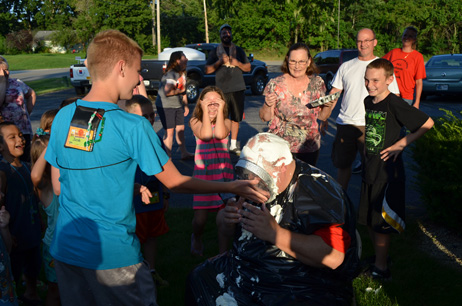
418,279
46,60
49,85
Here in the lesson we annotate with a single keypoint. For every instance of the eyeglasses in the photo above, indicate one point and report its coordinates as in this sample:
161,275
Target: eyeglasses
301,63
366,41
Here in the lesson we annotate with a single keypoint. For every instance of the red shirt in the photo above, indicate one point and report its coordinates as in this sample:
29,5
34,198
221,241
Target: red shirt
335,237
409,67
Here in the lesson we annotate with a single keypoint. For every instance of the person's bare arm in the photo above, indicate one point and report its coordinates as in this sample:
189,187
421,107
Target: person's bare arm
309,249
229,216
142,89
172,90
267,109
3,86
326,112
31,98
175,181
222,124
394,150
55,180
4,230
2,188
245,67
214,67
418,92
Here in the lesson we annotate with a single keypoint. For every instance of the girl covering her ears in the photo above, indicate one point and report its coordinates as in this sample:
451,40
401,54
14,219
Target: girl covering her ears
211,126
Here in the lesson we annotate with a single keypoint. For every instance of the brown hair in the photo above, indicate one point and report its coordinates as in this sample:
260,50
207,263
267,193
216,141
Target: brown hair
172,62
411,28
198,113
137,100
45,122
311,69
106,49
68,101
2,125
36,148
382,63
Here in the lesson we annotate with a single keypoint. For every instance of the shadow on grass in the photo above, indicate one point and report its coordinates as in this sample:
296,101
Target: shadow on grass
418,278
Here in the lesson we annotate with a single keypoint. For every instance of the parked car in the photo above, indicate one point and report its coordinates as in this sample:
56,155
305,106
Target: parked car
444,75
329,61
79,76
152,71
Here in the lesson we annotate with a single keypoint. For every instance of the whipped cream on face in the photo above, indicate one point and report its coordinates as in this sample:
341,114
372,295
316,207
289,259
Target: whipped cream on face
270,152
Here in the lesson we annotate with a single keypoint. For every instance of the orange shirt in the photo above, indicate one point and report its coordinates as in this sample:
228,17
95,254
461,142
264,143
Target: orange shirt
409,67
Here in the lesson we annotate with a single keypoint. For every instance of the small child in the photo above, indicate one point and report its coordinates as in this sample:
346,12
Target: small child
7,294
41,178
20,201
382,204
211,126
150,217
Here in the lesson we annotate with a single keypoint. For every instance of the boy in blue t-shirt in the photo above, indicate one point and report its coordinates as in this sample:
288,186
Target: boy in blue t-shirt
382,204
94,150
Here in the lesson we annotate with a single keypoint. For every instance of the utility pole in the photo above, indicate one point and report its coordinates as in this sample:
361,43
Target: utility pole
158,27
206,24
153,10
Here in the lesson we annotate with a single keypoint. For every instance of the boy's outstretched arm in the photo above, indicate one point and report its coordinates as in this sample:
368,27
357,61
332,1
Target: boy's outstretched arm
394,150
177,182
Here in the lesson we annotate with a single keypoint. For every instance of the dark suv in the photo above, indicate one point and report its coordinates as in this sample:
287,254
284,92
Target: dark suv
329,61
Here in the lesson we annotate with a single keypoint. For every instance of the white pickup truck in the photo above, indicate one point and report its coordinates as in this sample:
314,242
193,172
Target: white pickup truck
80,78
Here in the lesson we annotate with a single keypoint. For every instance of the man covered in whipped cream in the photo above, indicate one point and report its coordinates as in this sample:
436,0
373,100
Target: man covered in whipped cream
299,248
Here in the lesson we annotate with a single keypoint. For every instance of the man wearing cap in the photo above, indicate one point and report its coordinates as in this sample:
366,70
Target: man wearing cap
299,248
229,61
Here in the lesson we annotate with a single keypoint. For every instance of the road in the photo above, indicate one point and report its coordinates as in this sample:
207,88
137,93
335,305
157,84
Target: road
252,125
32,75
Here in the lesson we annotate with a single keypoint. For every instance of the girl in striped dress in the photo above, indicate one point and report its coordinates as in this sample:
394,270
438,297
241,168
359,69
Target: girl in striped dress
211,126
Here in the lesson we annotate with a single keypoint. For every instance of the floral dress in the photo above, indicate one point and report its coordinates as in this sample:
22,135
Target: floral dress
293,120
14,108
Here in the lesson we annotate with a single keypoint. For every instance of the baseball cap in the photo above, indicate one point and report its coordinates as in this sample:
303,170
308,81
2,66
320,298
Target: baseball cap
225,26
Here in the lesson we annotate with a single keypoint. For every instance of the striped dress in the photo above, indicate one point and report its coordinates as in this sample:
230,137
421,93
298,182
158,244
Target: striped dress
212,163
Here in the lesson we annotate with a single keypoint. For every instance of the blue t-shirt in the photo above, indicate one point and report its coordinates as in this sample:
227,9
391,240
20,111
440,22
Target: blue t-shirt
96,222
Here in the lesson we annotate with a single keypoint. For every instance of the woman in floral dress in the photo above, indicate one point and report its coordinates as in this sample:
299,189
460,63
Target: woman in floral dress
16,103
286,99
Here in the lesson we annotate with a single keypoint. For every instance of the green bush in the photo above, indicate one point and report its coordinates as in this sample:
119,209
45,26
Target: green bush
439,170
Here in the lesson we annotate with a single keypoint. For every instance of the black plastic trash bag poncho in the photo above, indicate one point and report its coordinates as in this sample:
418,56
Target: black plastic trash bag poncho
256,272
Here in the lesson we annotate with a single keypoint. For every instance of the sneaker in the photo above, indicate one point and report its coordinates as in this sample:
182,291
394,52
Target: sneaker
160,282
377,274
235,151
357,168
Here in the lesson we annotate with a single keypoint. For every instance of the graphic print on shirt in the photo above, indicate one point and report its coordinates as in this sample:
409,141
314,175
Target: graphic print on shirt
375,131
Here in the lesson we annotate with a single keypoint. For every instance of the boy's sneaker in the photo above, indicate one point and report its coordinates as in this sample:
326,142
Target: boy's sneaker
377,274
357,167
160,282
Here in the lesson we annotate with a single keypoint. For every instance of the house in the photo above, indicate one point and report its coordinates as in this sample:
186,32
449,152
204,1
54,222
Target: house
44,38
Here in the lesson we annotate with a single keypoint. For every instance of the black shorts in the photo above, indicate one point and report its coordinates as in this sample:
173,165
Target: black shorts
349,139
382,207
171,117
27,261
235,101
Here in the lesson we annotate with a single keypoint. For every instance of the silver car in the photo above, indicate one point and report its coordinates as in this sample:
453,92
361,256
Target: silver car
444,75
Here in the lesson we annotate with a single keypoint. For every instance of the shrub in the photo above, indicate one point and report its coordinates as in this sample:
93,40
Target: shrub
20,41
439,170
